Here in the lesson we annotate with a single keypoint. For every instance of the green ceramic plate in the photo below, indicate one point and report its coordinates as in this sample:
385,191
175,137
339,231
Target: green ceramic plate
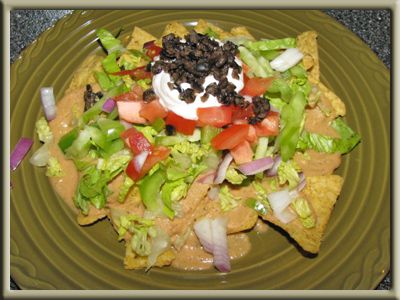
50,251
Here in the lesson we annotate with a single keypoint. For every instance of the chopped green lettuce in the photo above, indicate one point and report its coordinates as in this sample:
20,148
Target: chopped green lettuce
321,143
280,88
261,195
142,232
292,120
149,188
258,205
252,60
227,200
110,64
148,131
43,130
172,192
124,189
211,33
131,60
108,41
302,208
233,176
144,83
104,81
264,45
287,172
195,151
54,168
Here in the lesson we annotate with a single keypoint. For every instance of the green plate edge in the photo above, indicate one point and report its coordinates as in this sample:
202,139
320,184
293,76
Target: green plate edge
50,251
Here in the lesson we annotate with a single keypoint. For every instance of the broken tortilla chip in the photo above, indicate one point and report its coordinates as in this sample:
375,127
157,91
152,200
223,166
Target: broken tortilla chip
138,38
336,104
242,32
133,261
176,28
321,193
85,73
204,27
307,43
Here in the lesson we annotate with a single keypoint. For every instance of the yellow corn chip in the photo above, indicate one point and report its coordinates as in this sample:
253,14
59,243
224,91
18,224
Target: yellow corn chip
176,28
241,31
138,38
321,193
204,26
307,43
85,73
133,261
331,100
93,216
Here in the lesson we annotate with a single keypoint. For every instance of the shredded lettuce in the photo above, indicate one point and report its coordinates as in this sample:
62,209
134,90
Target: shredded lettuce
292,120
227,200
321,143
104,81
125,188
276,44
131,60
259,69
142,232
144,83
280,89
110,64
260,203
148,131
302,208
54,168
211,33
43,130
233,176
195,151
287,172
172,192
109,42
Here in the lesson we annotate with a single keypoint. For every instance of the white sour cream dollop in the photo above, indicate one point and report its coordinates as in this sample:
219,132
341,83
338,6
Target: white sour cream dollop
170,98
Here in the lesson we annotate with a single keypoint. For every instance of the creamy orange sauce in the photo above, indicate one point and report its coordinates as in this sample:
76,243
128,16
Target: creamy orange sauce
314,163
192,256
317,122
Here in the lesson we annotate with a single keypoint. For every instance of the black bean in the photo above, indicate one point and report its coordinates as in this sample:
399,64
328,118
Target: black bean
169,129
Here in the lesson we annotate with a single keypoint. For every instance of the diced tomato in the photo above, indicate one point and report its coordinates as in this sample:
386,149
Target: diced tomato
215,116
153,110
152,50
137,74
242,153
136,94
256,86
252,135
136,140
181,125
131,171
129,111
246,69
269,126
242,113
158,154
230,137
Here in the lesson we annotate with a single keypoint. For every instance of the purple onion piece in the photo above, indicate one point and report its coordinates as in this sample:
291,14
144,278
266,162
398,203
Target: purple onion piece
274,169
109,105
19,152
256,166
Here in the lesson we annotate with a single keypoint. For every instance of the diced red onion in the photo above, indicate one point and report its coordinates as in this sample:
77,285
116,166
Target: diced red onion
19,152
274,169
256,166
207,178
279,200
302,182
127,125
220,252
48,102
285,216
223,167
203,231
289,58
109,105
139,160
213,193
41,156
213,238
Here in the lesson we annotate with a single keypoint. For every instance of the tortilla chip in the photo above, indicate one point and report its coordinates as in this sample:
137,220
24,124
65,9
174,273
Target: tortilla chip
307,43
133,261
138,38
93,216
241,31
85,73
240,218
176,28
321,193
328,97
203,26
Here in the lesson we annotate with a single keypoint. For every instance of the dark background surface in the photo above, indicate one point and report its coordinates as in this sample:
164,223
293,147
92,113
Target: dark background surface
372,26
